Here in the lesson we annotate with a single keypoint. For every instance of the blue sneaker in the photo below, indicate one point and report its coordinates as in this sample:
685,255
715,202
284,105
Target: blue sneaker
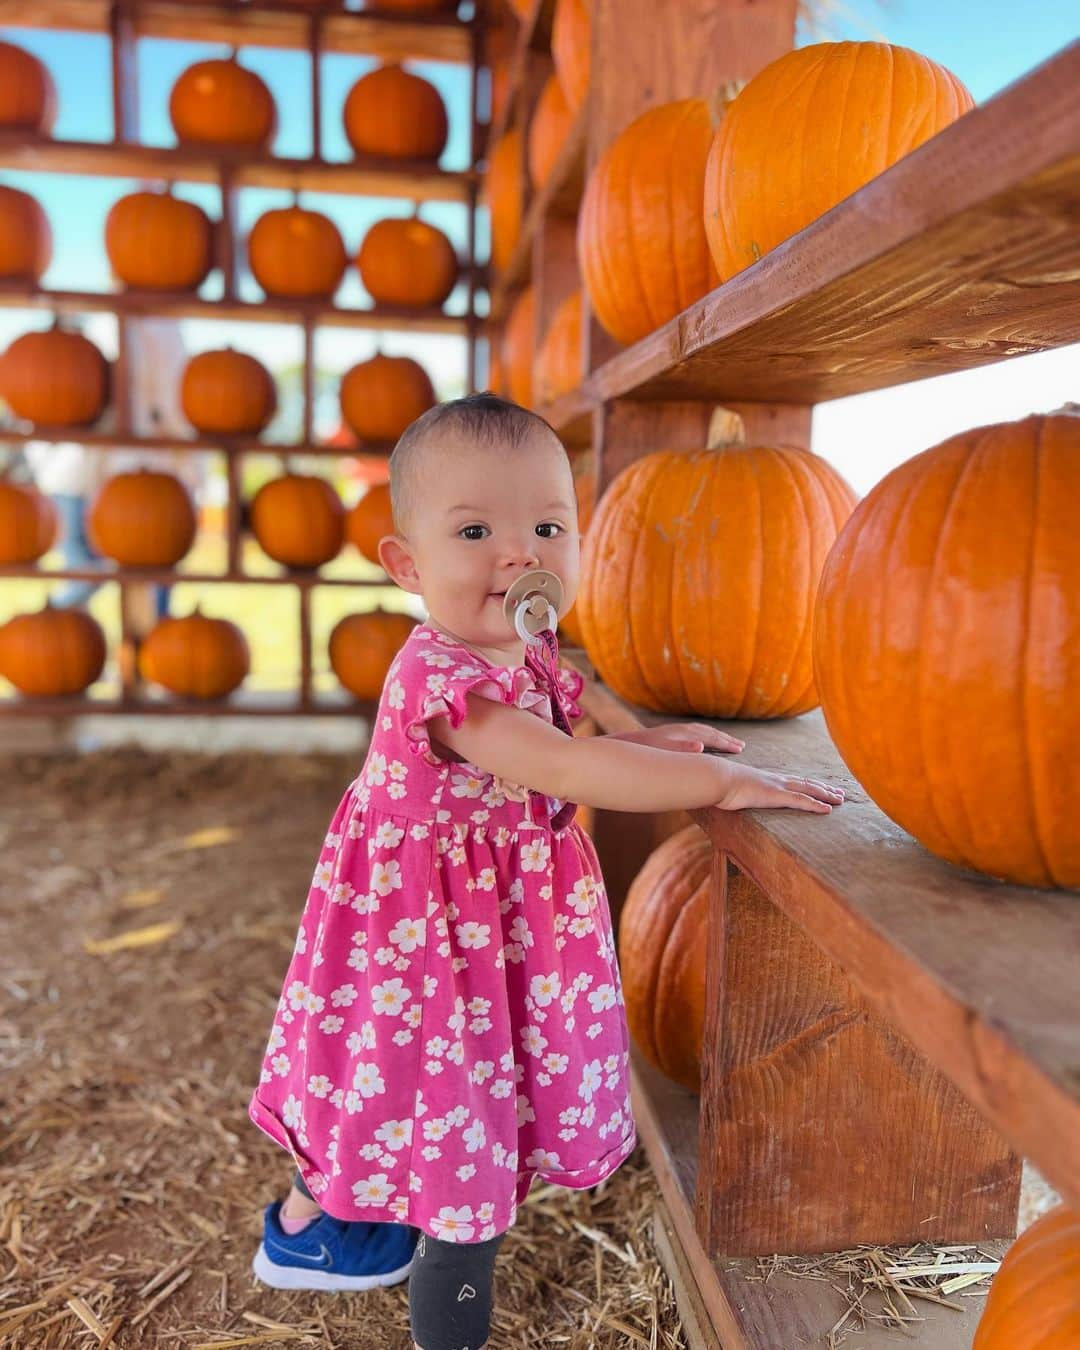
333,1253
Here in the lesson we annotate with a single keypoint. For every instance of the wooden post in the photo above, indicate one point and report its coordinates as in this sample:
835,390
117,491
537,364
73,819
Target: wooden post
125,88
226,234
472,327
307,435
304,593
314,46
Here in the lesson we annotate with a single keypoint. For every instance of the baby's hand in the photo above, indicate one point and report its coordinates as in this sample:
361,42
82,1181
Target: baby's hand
761,787
688,736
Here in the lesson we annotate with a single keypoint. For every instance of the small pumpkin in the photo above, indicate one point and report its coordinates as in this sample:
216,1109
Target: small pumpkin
296,254
25,237
363,647
29,523
195,657
947,648
496,372
27,91
222,103
227,393
408,263
641,243
298,520
548,131
393,114
1034,1299
54,378
369,520
142,519
558,362
571,43
519,346
157,241
504,188
680,538
382,396
52,653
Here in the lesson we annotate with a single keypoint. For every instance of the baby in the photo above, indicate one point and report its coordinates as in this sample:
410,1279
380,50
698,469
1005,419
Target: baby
452,1023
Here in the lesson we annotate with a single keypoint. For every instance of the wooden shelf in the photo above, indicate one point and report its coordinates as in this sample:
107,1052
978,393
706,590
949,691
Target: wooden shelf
388,36
963,253
365,176
533,34
23,705
230,445
979,976
164,576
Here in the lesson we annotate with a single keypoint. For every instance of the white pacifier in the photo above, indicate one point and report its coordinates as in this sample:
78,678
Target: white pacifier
531,605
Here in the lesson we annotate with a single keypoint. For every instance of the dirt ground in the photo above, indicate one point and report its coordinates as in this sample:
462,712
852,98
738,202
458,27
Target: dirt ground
131,1181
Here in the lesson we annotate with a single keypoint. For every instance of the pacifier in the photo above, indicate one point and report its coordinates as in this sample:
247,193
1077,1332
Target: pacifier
531,605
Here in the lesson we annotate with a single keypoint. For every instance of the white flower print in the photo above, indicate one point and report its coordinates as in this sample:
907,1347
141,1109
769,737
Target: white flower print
376,770
431,1152
457,855
434,1066
395,695
319,1085
465,1171
544,988
356,827
385,955
323,875
373,1190
342,893
479,1025
386,723
581,896
457,1116
313,1002
498,1154
555,1063
291,1112
366,904
330,1025
437,1046
520,931
482,1070
570,1115
386,877
602,997
456,1053
532,1040
395,1134
486,1212
474,1137
419,832
397,791
277,1039
473,934
402,1037
486,880
413,1015
590,1081
358,959
453,1225
368,1081
568,1133
541,1157
479,1005
296,994
466,785
332,840
389,997
280,1065
502,1087
459,963
388,835
535,855
436,1128
398,771
580,927
594,1030
502,837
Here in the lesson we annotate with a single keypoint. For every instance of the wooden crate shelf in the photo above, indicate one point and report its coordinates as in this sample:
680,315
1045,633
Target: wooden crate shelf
169,576
231,445
533,35
243,705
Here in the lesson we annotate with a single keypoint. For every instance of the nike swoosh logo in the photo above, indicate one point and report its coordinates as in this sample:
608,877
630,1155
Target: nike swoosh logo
323,1259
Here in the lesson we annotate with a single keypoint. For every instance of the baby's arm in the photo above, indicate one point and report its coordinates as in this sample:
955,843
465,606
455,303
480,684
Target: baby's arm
616,775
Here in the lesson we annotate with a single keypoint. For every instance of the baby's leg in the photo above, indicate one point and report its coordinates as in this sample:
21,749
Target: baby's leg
299,1205
450,1293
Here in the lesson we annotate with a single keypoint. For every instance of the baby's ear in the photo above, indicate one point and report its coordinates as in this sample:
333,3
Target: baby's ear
398,561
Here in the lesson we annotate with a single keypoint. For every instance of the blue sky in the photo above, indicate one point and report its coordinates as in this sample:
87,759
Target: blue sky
988,45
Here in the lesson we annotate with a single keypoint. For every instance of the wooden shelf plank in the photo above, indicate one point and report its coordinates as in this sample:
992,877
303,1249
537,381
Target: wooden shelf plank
391,37
533,34
980,976
366,176
30,706
963,253
165,576
229,445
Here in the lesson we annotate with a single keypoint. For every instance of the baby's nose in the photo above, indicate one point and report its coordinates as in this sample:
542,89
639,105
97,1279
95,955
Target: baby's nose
521,555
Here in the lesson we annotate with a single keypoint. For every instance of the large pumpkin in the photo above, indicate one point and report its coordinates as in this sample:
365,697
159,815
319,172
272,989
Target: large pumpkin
558,362
52,653
298,520
585,491
55,379
25,237
369,520
157,241
29,523
227,393
641,240
504,184
195,657
221,102
519,347
571,41
381,397
142,519
947,648
1034,1300
395,115
297,254
27,91
809,130
407,263
548,130
698,578
363,647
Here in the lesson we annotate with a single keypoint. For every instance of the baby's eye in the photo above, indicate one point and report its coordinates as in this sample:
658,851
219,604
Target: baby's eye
465,531
548,525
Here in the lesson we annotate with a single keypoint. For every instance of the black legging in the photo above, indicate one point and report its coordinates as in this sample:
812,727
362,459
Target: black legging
450,1289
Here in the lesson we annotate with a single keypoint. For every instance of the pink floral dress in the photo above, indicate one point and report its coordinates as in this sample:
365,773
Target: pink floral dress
452,1021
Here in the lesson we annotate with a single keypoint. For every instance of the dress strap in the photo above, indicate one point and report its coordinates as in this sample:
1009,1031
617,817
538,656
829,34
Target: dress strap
542,659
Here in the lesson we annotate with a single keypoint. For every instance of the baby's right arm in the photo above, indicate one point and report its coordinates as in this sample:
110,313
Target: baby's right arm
615,775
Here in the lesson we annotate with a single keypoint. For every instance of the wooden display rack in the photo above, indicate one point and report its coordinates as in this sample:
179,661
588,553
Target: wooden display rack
886,1035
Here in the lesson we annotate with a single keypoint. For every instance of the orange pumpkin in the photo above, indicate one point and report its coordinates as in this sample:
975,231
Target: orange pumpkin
29,523
641,240
195,657
496,373
369,520
1034,1300
27,91
698,578
519,346
947,648
558,362
52,653
395,115
297,254
381,397
55,379
363,647
523,8
500,88
227,393
585,490
504,187
25,236
847,111
159,242
548,130
571,43
298,520
221,102
142,519
408,263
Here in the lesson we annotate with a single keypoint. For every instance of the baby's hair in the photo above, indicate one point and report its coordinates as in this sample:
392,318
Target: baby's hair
486,419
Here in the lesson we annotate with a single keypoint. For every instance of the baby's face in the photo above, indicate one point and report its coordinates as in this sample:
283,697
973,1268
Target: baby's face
484,517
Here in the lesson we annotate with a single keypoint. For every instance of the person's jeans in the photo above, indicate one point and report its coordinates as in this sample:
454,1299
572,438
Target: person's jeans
78,553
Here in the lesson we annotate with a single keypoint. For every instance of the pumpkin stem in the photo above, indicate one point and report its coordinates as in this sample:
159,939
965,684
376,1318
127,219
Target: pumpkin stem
722,100
725,428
